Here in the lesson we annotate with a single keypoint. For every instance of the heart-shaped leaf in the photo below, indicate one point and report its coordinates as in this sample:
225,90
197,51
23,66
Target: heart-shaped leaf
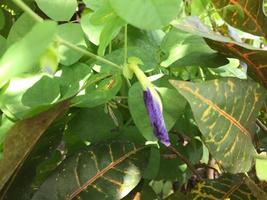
148,14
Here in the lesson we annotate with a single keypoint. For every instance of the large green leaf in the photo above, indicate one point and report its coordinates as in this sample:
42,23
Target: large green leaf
11,97
20,28
104,171
148,14
255,58
72,33
109,23
95,4
109,32
58,10
181,47
72,79
87,122
35,96
149,59
2,45
27,51
91,30
247,15
2,19
98,93
21,139
225,111
227,186
261,165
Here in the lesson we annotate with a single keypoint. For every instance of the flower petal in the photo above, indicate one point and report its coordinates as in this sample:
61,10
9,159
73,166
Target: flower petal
156,118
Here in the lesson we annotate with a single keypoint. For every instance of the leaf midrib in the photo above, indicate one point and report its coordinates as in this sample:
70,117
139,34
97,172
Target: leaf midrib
216,108
102,172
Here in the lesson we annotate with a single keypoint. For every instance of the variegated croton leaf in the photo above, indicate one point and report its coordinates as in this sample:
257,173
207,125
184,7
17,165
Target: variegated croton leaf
225,111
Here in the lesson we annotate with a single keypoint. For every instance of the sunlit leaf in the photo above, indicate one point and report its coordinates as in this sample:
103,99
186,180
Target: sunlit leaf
36,95
20,28
27,50
99,93
72,33
261,165
181,47
59,10
149,14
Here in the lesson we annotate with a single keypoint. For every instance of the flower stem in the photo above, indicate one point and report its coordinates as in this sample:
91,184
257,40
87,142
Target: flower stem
186,161
37,18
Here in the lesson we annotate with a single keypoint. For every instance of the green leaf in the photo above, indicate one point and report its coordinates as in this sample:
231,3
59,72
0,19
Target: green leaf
87,122
3,45
2,19
255,58
225,111
261,166
171,111
10,98
21,139
98,93
95,4
27,51
103,171
91,30
149,14
58,10
199,7
20,28
144,192
106,21
180,172
227,186
181,47
149,59
43,92
109,32
72,33
72,79
247,15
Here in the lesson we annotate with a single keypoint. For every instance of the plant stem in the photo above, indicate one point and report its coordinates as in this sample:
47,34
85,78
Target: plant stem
28,10
256,190
87,53
125,44
186,161
37,18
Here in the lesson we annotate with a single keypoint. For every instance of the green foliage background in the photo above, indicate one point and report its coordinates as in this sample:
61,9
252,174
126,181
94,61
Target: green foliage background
73,120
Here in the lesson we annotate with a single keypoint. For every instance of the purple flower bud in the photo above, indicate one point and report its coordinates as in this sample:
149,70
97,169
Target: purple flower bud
156,118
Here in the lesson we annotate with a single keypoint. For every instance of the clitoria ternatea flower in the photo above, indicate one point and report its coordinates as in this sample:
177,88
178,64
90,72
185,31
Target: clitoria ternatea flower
156,118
